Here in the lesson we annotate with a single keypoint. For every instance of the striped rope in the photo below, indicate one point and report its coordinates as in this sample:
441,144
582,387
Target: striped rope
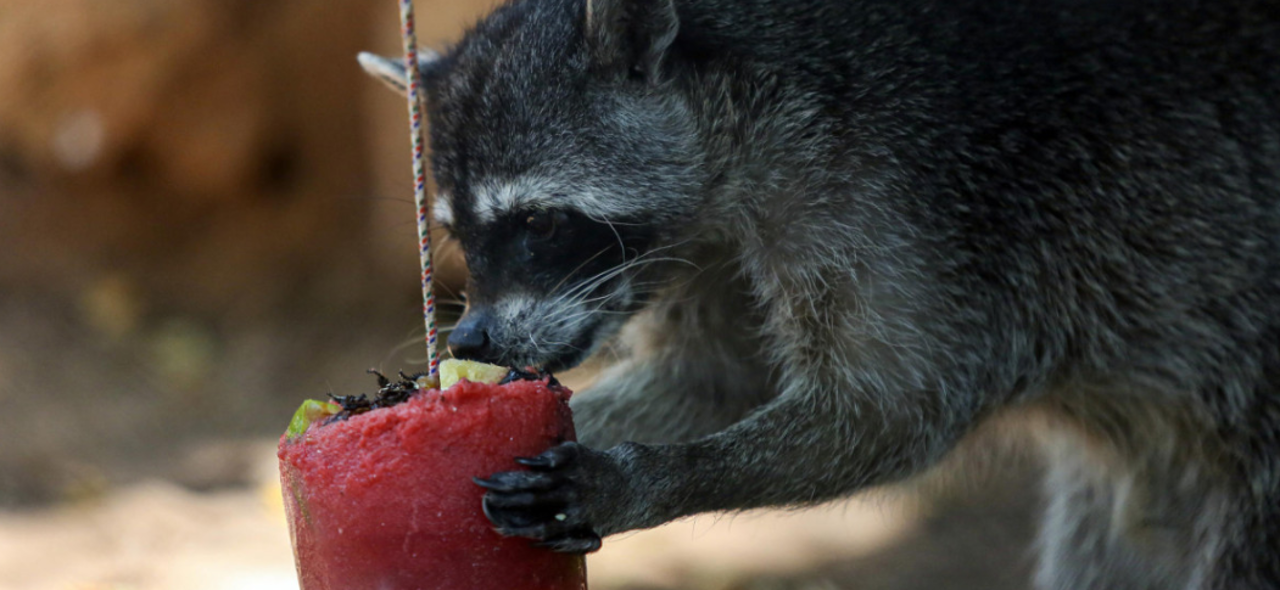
420,178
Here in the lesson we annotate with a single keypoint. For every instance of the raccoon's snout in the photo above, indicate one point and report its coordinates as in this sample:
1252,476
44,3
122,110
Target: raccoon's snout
507,334
470,339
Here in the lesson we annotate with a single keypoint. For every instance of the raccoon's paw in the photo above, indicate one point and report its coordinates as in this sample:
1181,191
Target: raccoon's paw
548,503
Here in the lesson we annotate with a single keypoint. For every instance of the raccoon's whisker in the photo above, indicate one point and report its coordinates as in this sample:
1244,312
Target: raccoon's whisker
598,309
401,348
589,284
576,296
452,294
582,311
621,246
578,268
445,248
569,319
566,345
622,223
638,262
607,274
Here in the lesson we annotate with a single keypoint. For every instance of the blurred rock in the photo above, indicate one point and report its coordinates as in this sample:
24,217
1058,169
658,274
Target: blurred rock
205,216
209,99
199,145
111,307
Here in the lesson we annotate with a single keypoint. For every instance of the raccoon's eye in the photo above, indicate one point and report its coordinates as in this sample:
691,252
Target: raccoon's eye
543,224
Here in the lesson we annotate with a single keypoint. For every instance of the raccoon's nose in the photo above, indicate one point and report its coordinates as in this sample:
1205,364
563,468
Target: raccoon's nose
470,339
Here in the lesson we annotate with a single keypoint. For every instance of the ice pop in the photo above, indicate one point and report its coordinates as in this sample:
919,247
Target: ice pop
382,497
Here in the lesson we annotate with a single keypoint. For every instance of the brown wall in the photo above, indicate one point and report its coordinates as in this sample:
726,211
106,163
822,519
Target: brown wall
205,214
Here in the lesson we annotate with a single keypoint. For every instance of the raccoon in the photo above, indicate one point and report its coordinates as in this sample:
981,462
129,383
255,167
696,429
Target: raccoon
828,241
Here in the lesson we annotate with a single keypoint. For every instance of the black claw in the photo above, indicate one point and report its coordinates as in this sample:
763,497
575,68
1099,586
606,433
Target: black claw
534,461
528,532
519,500
513,500
542,503
555,458
513,524
514,481
587,542
488,512
490,484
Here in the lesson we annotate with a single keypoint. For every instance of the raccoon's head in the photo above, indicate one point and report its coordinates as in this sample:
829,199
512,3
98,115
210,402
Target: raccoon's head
565,162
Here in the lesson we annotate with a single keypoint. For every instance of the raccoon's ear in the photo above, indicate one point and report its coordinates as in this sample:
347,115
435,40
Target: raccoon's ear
630,36
391,71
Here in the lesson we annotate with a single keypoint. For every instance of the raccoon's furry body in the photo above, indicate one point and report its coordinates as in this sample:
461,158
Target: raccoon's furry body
844,234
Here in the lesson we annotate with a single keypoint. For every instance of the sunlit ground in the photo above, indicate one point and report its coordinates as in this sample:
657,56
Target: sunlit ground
155,531
156,536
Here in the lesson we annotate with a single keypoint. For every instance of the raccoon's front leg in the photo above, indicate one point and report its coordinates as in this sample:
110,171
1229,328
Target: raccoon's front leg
694,367
811,444
677,394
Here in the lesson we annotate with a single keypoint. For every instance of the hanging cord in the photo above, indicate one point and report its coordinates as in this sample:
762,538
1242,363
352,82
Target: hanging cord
419,178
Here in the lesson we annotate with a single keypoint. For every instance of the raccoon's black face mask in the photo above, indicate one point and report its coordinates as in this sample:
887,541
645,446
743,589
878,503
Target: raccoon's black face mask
562,163
547,286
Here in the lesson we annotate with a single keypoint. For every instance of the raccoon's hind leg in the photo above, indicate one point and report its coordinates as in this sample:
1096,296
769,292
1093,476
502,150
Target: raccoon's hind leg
1250,549
1249,553
1116,521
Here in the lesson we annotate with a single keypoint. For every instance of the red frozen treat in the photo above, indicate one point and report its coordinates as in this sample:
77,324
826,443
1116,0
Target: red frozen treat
384,500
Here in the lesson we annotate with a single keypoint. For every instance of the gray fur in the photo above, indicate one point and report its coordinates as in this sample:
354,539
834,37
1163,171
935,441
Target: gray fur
849,233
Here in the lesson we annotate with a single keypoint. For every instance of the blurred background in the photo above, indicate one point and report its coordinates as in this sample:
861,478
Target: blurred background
206,216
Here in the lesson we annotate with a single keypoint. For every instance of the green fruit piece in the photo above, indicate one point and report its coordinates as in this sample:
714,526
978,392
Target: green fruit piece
453,370
310,411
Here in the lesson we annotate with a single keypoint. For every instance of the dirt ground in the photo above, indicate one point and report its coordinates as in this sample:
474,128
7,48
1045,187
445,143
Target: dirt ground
180,493
156,535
